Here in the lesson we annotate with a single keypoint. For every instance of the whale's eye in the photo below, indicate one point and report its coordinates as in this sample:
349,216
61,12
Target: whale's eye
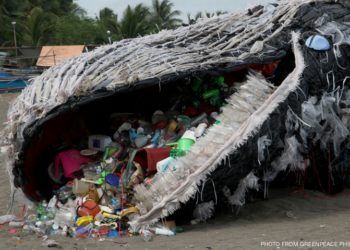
318,42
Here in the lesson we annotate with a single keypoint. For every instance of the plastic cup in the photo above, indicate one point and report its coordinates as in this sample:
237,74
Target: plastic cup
185,144
186,141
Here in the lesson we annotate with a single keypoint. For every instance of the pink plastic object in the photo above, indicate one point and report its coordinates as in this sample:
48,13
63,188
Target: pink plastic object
70,161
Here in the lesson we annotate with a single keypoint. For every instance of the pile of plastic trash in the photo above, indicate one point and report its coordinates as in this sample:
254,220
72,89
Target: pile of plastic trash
93,186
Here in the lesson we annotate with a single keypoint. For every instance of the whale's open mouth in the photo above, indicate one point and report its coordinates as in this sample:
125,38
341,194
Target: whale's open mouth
258,89
286,101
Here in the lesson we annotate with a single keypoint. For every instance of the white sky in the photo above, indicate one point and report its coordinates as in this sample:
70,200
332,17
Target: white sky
185,6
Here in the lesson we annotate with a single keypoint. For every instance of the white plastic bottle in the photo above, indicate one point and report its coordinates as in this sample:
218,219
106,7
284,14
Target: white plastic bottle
7,218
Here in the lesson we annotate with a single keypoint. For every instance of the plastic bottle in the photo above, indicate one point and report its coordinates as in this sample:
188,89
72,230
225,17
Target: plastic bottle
124,127
141,141
156,137
54,230
200,129
115,203
164,231
93,194
16,224
199,119
147,235
31,219
80,187
7,218
41,211
163,165
65,216
52,202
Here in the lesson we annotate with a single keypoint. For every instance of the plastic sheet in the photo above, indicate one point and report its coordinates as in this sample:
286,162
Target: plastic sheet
291,156
263,144
204,211
326,125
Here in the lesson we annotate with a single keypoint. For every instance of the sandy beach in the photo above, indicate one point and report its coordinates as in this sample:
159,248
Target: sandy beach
288,220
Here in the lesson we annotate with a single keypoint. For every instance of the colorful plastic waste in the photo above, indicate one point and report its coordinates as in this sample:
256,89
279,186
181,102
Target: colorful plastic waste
85,220
186,141
93,196
89,207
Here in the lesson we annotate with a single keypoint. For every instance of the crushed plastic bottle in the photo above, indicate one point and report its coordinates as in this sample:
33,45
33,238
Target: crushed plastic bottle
147,235
41,211
16,224
7,218
65,216
200,129
163,231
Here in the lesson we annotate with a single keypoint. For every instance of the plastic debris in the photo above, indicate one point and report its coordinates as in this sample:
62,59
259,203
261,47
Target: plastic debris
51,243
93,187
7,218
163,231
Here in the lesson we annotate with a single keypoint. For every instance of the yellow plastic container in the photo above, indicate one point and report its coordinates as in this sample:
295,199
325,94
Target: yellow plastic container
83,221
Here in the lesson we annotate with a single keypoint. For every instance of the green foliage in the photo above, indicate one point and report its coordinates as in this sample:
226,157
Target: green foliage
135,22
63,22
37,26
71,29
35,19
109,21
163,17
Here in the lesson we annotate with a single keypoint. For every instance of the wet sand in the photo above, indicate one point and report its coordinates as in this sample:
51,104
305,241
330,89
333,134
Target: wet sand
294,218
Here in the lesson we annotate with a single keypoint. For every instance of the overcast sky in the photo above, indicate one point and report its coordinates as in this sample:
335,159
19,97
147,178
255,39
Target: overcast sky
185,6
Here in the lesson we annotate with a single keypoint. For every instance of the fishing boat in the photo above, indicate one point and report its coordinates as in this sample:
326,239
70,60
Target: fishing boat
15,73
12,79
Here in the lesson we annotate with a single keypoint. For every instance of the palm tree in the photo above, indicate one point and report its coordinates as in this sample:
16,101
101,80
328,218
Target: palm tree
77,10
13,10
135,22
163,17
36,26
109,20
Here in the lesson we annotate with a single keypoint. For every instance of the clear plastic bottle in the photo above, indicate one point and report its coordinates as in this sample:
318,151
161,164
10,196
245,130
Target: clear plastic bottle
7,218
147,235
65,217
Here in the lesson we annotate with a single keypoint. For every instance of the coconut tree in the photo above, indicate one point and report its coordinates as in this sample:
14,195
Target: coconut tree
10,11
163,15
135,21
36,26
108,20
